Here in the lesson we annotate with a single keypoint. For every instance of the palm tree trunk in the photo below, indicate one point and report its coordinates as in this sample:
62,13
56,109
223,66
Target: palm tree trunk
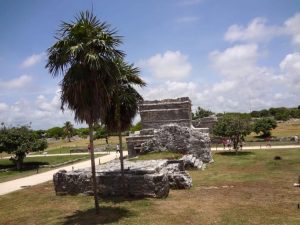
93,169
121,148
122,162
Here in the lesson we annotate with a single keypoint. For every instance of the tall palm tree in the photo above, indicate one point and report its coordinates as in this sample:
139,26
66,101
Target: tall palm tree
85,54
68,130
124,104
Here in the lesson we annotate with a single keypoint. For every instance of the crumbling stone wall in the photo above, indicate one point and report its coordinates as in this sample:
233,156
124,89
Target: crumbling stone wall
180,139
206,122
151,178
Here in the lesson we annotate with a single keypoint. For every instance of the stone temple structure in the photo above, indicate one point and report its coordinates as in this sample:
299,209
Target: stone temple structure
156,113
167,125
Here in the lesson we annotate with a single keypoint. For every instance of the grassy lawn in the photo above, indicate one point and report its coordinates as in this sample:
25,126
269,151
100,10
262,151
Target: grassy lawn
30,165
284,129
113,140
248,188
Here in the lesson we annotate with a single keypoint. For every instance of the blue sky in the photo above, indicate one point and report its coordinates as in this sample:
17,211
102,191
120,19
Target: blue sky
224,55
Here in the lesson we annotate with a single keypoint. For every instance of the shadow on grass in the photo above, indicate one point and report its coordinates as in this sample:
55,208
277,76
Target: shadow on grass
231,153
120,199
107,215
26,165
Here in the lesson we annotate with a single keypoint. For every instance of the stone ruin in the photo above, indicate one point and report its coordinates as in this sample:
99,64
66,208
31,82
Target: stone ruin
167,125
205,122
149,178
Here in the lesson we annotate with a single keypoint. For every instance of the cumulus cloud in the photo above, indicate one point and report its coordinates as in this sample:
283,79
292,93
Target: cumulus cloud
172,65
236,60
3,107
244,84
292,26
33,60
257,30
42,112
16,83
290,67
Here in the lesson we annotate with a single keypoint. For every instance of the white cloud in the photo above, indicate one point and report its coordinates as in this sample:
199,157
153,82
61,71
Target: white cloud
33,60
235,61
16,83
290,66
42,112
170,65
257,30
292,26
3,107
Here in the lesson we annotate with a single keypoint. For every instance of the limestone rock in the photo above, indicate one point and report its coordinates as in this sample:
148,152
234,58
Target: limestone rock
180,139
151,178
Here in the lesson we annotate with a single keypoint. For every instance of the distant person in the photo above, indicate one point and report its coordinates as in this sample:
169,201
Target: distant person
229,144
118,148
106,139
224,143
296,139
268,141
241,145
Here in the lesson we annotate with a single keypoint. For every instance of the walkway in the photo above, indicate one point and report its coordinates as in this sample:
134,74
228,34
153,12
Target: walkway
61,154
13,185
263,147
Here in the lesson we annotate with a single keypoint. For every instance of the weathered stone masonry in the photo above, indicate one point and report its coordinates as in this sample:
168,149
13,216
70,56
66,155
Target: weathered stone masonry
154,114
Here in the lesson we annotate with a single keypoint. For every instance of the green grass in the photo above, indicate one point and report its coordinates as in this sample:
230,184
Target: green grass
245,189
31,164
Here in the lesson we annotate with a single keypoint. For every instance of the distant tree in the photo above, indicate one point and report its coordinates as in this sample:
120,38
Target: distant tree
136,127
40,133
20,141
281,113
255,114
298,107
82,132
68,130
233,126
55,132
100,131
264,113
264,126
295,113
201,112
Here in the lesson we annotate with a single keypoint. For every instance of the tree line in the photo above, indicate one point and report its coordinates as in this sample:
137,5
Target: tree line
279,113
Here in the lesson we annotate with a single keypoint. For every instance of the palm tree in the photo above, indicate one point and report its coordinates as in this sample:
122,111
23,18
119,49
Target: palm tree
85,54
124,104
68,130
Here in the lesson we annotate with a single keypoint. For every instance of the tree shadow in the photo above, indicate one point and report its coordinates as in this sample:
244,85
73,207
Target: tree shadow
25,166
239,153
120,199
107,215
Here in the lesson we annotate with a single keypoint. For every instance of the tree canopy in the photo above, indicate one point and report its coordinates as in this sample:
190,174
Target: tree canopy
264,126
20,141
234,126
85,53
